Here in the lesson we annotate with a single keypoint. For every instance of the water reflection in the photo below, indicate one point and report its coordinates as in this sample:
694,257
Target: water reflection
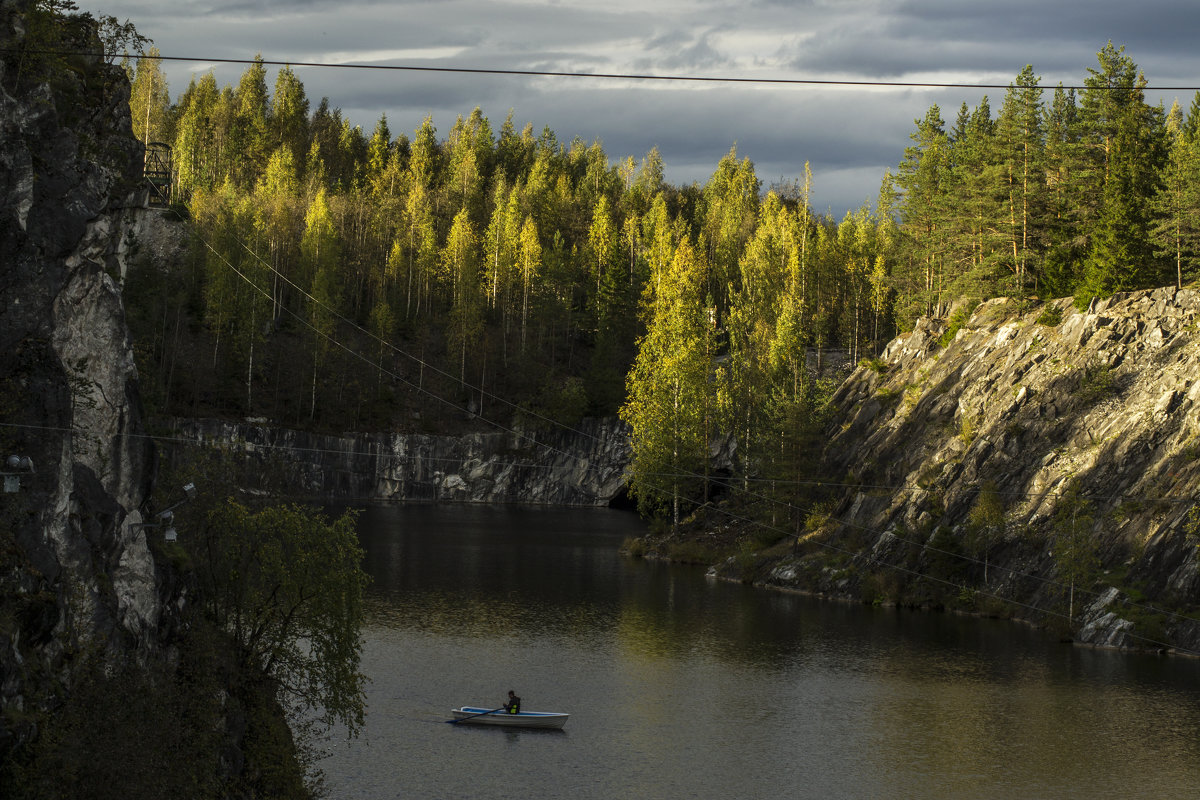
559,578
682,687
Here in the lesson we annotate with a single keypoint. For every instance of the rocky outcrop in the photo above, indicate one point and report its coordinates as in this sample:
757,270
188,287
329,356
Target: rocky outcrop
76,572
1041,463
583,466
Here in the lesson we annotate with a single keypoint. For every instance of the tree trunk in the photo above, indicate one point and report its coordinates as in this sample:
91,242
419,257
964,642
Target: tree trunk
250,366
312,410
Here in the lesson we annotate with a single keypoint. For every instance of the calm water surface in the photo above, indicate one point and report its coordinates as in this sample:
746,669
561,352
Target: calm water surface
681,687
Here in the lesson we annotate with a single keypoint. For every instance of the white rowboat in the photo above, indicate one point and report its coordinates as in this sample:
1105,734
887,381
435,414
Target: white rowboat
525,719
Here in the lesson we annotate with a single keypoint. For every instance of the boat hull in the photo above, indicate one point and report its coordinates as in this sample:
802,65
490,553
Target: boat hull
526,719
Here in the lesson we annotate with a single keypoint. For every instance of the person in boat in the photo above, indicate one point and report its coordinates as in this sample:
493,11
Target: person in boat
513,704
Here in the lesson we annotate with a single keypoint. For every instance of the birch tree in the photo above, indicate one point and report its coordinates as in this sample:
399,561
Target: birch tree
529,260
669,390
461,270
149,100
320,253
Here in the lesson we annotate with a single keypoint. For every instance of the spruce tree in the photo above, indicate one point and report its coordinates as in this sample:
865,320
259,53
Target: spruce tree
250,140
1061,264
1128,141
974,185
288,118
1176,229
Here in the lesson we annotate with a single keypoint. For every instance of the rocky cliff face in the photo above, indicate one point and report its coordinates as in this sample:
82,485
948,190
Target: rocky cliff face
582,467
75,572
1043,464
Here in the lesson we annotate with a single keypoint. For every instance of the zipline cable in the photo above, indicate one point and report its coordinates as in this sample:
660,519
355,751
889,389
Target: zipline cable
626,76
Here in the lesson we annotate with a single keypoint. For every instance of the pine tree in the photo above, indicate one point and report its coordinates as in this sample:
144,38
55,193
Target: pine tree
973,183
1064,160
924,216
1022,169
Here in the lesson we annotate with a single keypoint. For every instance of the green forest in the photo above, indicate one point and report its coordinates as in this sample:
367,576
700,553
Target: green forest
345,280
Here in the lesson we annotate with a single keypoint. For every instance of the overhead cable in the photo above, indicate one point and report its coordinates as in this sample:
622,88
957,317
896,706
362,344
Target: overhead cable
626,76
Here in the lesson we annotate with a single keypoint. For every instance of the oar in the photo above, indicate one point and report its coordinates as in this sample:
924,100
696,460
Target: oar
472,716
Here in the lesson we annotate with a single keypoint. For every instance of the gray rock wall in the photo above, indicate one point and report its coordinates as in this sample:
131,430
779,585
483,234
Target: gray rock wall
583,466
1091,423
75,572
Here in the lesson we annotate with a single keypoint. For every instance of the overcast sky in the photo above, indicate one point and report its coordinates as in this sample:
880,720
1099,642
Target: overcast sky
849,135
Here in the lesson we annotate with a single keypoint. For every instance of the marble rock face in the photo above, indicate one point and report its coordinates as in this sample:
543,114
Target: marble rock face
1043,405
78,571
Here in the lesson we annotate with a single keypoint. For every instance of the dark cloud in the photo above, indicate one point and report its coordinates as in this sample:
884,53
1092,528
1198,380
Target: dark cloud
849,136
1059,39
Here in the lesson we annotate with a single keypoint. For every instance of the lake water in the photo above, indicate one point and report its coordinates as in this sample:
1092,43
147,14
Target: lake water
683,687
